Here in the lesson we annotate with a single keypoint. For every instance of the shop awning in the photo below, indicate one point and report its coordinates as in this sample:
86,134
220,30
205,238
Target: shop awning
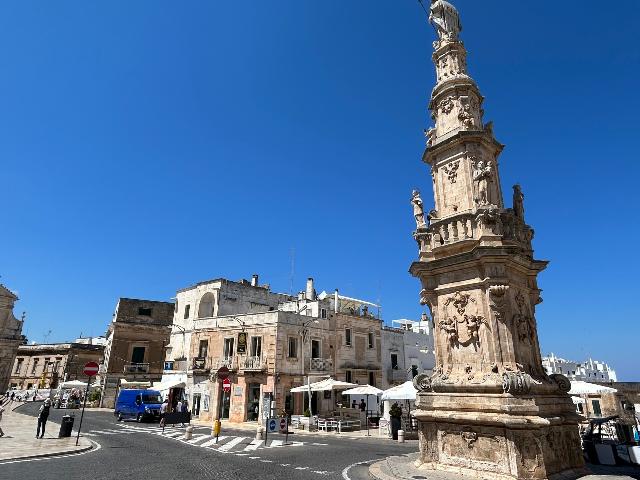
164,386
125,384
578,387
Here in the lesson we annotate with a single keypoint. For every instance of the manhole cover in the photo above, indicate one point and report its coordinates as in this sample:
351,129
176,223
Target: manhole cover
419,477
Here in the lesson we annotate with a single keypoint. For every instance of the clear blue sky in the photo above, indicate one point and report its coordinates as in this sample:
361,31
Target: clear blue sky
148,145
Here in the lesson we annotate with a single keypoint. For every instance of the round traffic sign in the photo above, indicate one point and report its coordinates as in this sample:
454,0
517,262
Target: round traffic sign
223,372
90,369
283,424
272,425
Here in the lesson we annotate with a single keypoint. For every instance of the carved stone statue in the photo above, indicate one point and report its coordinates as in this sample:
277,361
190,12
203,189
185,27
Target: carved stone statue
482,176
518,202
418,208
445,19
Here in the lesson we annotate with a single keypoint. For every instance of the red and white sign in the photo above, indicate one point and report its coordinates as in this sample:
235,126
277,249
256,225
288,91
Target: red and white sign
283,425
226,385
90,369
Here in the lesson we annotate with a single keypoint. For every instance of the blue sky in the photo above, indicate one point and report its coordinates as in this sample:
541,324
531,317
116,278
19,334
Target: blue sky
145,146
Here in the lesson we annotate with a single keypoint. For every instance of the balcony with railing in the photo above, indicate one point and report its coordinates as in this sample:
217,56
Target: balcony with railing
136,368
200,364
320,365
255,364
230,362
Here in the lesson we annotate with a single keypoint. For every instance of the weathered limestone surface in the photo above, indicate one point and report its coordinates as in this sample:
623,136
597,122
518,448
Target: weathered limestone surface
489,409
10,335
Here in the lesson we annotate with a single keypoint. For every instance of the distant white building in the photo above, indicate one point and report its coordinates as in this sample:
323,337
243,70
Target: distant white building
407,350
589,371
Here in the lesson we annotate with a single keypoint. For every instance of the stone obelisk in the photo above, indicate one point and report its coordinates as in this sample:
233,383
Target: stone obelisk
489,409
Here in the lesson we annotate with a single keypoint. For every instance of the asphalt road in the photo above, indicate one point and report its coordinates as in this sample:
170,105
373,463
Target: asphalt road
132,450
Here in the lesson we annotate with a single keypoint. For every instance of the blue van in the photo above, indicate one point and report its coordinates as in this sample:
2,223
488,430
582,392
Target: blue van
138,404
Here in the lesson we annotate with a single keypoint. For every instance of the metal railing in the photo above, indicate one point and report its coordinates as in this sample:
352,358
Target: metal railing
136,368
320,364
253,363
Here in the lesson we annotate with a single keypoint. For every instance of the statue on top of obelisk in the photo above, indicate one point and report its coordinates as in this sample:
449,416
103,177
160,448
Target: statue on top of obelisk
445,19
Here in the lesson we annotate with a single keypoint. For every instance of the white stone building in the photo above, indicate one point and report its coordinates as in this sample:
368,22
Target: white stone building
406,350
588,371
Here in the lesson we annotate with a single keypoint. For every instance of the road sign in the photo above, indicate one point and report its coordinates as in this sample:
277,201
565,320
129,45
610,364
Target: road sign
272,425
90,369
226,385
223,372
283,425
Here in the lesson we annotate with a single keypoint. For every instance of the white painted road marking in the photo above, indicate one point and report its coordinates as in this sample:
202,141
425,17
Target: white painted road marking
253,445
213,441
229,445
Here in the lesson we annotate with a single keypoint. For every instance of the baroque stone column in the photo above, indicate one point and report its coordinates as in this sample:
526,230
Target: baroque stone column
489,409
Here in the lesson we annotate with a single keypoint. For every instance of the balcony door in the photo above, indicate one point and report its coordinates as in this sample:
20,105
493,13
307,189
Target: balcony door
256,346
228,347
137,354
315,348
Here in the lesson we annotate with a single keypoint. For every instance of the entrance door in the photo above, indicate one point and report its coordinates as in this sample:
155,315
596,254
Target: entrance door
195,408
225,403
253,402
315,349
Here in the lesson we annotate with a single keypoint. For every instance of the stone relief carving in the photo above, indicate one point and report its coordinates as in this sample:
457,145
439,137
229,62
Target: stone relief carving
422,382
523,320
518,202
469,436
464,328
447,104
452,171
466,116
418,209
430,136
564,385
516,382
498,301
489,219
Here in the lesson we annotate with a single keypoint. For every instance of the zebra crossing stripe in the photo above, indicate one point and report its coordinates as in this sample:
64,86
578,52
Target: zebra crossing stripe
103,432
213,441
171,434
253,445
228,446
275,444
198,438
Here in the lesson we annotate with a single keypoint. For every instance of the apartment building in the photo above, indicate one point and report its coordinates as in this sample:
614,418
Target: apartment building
588,371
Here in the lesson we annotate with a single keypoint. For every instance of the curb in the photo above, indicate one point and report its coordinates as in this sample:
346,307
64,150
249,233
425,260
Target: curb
375,471
91,446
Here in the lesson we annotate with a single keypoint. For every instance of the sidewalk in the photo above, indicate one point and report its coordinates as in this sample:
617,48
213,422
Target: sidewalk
403,468
19,440
253,426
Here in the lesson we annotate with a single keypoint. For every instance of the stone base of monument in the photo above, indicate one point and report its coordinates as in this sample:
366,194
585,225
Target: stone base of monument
499,436
406,467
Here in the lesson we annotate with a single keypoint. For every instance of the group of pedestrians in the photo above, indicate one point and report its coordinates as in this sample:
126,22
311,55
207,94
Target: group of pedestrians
182,406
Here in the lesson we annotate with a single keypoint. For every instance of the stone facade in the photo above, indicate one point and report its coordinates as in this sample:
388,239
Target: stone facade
589,370
271,342
10,335
47,365
135,346
489,409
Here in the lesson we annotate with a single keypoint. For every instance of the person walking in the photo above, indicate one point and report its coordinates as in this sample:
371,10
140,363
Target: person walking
1,432
43,416
163,410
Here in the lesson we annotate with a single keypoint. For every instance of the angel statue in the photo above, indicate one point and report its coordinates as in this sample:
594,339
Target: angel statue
418,208
445,19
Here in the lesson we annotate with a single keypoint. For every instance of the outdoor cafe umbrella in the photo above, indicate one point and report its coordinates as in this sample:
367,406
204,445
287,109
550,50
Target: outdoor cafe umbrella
323,385
405,391
364,390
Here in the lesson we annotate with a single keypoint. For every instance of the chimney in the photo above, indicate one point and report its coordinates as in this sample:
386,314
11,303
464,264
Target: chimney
254,280
335,301
311,293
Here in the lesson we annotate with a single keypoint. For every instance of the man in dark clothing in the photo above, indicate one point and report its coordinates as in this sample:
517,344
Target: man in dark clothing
363,406
43,416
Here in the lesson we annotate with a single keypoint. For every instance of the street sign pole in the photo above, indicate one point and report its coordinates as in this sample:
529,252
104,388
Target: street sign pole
86,394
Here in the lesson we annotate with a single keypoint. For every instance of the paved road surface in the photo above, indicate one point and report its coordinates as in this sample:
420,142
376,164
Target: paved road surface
140,450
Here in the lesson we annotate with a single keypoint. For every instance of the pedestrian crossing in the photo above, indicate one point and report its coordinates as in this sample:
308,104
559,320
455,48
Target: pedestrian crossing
236,444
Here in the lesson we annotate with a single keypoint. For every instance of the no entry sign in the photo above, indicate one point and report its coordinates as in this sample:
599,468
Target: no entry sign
226,385
91,369
223,372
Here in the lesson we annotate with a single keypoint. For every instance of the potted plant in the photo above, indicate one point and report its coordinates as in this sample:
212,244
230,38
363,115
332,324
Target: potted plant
395,412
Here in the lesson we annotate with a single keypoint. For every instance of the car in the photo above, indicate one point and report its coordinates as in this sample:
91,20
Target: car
140,405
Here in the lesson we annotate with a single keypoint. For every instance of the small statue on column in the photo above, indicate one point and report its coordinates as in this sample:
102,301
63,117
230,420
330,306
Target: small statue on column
518,202
418,209
482,176
445,19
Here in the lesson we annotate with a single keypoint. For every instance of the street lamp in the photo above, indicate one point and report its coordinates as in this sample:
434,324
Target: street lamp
304,330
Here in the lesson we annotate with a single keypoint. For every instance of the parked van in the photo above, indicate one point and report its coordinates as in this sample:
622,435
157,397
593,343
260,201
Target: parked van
138,404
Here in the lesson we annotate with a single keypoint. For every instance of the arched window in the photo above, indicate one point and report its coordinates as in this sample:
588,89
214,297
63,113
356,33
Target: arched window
207,303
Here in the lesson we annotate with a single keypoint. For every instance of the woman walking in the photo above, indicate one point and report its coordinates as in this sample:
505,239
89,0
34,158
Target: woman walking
43,416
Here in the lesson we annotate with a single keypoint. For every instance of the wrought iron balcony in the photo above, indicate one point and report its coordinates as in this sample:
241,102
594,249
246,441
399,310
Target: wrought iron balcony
253,363
136,368
320,364
230,362
200,363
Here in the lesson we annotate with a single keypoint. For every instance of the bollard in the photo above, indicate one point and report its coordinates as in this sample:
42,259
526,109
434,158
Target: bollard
259,433
400,436
188,432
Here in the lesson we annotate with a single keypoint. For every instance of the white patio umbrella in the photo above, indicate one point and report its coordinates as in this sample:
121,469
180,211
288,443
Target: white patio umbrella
323,385
579,387
406,391
364,390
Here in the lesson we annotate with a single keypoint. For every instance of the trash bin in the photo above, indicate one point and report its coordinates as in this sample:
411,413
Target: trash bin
66,426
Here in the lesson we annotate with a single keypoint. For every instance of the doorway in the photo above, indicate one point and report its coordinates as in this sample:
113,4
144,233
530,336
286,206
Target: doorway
195,408
253,402
224,404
